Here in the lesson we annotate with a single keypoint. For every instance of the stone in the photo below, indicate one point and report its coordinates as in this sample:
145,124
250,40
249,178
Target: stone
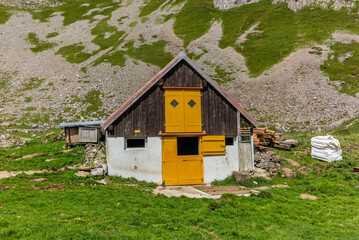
262,188
82,174
97,171
288,173
105,168
37,180
308,196
84,168
228,4
279,186
103,181
241,176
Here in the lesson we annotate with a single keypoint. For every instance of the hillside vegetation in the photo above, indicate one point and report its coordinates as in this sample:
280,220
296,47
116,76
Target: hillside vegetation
116,39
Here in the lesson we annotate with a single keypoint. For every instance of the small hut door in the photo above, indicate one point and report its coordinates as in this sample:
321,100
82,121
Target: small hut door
169,160
182,161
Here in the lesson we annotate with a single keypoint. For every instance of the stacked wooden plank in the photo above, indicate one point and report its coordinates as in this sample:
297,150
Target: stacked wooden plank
269,138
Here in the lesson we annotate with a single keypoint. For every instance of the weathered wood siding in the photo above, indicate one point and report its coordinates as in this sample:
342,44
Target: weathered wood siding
218,116
182,75
147,117
144,118
72,135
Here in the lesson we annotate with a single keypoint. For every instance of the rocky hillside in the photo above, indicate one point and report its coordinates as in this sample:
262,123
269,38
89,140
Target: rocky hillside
78,60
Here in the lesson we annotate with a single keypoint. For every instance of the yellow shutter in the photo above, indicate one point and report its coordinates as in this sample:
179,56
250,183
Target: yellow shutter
213,145
183,110
174,109
192,111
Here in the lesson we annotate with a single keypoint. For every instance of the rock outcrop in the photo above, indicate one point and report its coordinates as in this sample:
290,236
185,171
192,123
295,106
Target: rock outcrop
228,4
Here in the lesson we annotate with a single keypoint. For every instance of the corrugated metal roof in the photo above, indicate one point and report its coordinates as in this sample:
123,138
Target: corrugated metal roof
81,124
181,56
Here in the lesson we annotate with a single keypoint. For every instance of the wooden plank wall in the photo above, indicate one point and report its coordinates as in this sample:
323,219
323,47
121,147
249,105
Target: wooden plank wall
148,114
182,75
218,116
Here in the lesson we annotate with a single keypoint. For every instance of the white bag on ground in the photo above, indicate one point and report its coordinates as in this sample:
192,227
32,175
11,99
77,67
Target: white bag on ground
326,148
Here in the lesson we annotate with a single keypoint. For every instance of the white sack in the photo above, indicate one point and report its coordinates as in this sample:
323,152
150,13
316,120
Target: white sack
326,148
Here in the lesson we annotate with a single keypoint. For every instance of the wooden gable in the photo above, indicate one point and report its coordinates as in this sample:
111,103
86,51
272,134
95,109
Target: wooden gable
144,113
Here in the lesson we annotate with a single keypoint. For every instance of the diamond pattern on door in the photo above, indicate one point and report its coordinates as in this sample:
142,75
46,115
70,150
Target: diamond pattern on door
191,103
174,103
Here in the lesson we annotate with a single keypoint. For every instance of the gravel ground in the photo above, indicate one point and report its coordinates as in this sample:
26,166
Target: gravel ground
293,91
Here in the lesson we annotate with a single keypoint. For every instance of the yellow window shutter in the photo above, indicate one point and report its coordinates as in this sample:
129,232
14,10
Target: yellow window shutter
213,145
192,107
174,108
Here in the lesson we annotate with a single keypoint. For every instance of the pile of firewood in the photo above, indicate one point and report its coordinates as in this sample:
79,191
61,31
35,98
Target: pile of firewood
268,138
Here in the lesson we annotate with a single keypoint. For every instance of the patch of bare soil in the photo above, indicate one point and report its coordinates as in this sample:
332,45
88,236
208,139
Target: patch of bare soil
223,189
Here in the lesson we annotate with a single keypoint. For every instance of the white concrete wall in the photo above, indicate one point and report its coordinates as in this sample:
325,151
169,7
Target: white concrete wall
144,164
221,167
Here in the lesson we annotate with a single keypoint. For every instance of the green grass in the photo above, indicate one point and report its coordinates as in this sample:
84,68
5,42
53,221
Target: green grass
93,98
32,83
146,53
75,11
100,30
40,45
51,35
194,20
280,31
10,159
64,206
133,24
151,6
4,15
74,53
347,71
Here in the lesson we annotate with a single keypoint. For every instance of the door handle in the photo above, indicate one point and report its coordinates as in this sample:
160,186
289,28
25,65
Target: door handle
187,160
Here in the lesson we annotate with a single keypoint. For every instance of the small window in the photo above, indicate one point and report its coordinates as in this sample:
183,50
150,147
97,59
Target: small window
245,138
135,142
229,141
187,146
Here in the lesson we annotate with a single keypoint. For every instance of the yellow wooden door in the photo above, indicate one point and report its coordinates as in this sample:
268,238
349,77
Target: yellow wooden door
192,111
190,169
180,170
169,160
183,110
174,109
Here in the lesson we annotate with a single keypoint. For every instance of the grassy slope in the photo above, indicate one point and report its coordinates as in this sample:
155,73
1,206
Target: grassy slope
64,206
280,30
4,15
347,71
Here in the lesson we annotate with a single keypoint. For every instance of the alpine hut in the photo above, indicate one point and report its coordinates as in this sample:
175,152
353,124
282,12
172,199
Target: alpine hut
180,128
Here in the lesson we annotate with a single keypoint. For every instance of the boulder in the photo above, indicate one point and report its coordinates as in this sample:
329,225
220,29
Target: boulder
97,172
241,176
